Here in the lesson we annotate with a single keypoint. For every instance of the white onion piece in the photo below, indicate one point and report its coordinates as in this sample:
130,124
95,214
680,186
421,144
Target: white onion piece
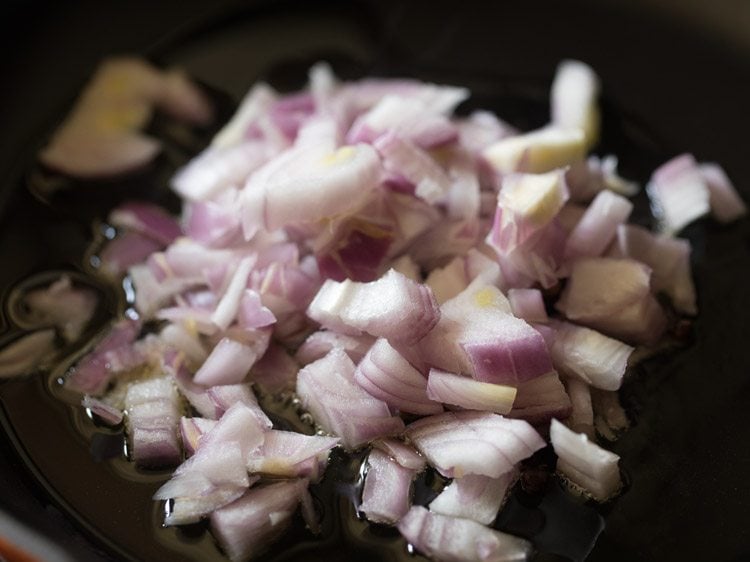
385,374
215,170
151,294
598,225
153,417
191,509
239,424
679,193
585,463
726,204
668,258
213,223
248,525
479,264
526,203
216,474
189,259
413,218
536,152
127,249
454,539
573,99
460,443
465,392
393,307
464,199
223,397
613,295
400,156
191,432
251,313
146,218
537,259
226,309
528,304
290,454
403,454
214,481
319,343
387,489
480,129
311,185
104,411
581,419
26,353
196,395
477,335
255,103
327,390
101,135
405,116
229,363
587,178
220,469
63,305
92,373
540,399
598,360
474,497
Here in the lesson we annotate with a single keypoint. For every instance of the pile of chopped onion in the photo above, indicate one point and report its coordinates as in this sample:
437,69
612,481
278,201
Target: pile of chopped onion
394,267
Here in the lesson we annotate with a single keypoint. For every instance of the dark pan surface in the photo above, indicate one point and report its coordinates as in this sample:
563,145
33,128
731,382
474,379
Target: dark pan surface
667,89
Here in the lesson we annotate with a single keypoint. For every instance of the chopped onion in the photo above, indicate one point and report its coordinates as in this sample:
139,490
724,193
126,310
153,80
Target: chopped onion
393,307
465,392
327,390
385,374
536,152
229,363
403,454
387,489
613,295
589,466
106,412
318,345
291,454
540,399
101,135
26,353
245,527
573,99
153,417
726,204
597,359
454,539
474,497
598,225
147,219
463,443
92,374
308,227
62,305
679,193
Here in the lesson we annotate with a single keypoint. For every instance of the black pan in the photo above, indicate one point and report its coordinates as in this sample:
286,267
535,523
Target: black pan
670,85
